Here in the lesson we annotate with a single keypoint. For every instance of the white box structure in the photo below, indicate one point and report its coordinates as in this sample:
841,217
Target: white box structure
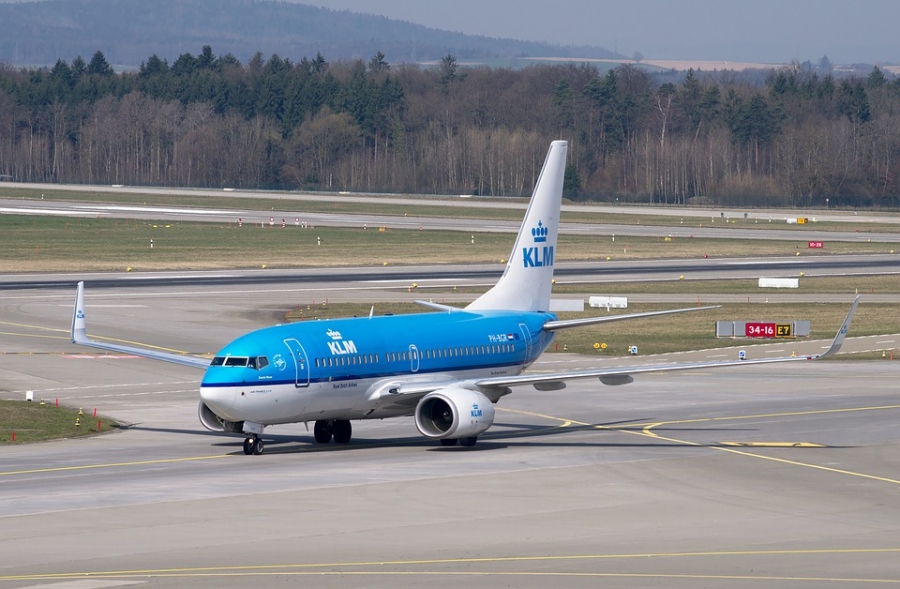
560,305
599,302
779,283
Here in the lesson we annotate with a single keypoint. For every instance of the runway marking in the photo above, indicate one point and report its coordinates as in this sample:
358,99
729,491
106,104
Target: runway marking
308,568
647,431
114,464
30,335
109,339
108,386
87,584
774,444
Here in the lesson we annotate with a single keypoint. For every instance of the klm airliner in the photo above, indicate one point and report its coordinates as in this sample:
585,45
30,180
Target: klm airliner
447,368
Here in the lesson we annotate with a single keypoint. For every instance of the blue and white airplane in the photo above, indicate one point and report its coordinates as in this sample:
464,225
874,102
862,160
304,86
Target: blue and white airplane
447,368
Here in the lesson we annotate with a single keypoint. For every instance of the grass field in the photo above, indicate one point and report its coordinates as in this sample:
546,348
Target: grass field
33,422
56,244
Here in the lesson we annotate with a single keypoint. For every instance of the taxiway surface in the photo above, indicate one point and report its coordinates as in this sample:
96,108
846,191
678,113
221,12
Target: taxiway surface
782,475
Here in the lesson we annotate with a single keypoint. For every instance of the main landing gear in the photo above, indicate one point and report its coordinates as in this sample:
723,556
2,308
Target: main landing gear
339,429
462,441
253,445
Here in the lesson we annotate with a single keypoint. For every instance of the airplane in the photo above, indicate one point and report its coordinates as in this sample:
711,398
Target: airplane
447,368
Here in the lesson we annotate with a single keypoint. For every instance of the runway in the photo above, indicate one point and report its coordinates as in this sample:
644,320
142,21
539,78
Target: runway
783,476
292,216
442,276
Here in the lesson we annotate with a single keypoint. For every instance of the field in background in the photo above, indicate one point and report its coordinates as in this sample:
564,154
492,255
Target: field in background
57,244
667,333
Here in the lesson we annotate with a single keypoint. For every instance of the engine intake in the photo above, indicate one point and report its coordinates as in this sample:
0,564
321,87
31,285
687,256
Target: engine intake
454,412
214,423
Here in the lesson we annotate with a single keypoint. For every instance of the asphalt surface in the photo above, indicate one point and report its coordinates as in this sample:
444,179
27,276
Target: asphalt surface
784,476
780,475
470,275
776,229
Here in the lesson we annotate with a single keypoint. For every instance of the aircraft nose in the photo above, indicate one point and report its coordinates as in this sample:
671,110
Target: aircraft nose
219,399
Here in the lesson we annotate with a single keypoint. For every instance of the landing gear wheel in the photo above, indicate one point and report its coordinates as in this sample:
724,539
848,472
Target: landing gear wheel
322,432
468,441
342,431
449,442
253,446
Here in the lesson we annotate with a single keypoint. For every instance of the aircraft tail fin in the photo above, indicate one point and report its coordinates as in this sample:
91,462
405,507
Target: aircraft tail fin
528,277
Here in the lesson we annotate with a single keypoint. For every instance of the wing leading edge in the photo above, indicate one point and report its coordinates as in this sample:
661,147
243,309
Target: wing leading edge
79,336
623,375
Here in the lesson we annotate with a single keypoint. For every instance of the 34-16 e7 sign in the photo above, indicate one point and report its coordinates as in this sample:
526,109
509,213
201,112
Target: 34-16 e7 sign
753,329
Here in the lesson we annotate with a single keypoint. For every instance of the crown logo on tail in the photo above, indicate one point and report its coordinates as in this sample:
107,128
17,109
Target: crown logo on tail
539,233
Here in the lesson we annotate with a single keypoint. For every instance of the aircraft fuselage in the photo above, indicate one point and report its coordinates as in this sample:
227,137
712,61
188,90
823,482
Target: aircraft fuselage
346,368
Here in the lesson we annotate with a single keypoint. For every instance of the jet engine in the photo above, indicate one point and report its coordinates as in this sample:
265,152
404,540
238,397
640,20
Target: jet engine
214,423
454,412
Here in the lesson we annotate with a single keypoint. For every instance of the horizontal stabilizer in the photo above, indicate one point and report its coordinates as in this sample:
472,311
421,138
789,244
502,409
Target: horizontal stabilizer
554,325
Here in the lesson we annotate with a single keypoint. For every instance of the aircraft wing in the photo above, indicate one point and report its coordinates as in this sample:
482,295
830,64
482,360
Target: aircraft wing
79,336
622,375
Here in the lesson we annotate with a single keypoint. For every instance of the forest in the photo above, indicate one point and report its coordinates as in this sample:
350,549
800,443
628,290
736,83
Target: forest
801,138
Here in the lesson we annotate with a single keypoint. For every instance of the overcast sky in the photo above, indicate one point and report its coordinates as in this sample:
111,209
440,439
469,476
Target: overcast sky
770,31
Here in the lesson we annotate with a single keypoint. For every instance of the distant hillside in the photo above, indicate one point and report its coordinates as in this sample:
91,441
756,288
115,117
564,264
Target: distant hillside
129,31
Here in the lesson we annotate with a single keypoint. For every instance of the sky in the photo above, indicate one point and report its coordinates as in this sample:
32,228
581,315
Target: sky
768,31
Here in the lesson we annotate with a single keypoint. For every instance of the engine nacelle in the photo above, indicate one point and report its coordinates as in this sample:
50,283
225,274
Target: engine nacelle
214,423
454,412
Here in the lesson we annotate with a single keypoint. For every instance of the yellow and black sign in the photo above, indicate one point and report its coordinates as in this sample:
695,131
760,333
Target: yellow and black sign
802,220
783,330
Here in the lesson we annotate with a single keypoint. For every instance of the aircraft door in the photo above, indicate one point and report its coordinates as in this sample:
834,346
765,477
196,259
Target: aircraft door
526,333
413,358
301,364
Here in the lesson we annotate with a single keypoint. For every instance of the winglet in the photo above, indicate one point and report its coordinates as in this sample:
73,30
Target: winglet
79,336
79,325
842,332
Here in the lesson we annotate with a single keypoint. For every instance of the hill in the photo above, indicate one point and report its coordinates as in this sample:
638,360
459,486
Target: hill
127,31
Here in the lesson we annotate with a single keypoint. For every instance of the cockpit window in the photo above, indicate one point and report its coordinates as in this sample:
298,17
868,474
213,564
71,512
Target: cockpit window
254,362
258,362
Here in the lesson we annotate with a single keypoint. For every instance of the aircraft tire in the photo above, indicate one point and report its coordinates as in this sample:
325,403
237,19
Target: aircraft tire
258,447
449,441
468,441
342,431
248,446
322,432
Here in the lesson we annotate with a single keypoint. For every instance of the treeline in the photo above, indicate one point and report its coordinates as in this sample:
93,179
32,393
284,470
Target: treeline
205,120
